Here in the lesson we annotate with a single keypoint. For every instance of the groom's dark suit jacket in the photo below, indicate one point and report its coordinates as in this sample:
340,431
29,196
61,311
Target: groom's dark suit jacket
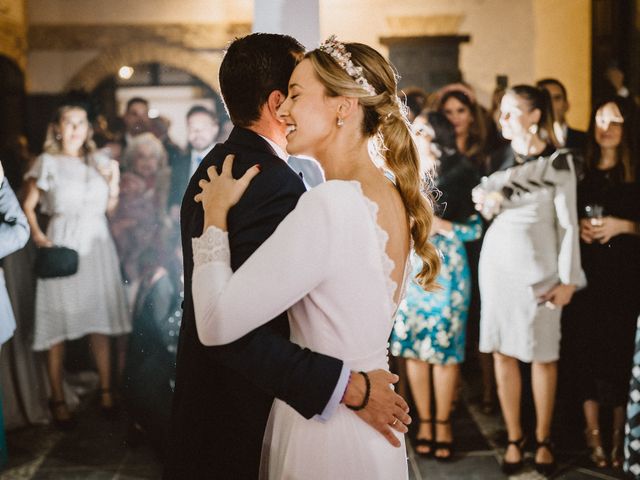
223,394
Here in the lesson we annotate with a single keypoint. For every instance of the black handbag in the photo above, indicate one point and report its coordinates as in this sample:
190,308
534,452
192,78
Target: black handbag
52,262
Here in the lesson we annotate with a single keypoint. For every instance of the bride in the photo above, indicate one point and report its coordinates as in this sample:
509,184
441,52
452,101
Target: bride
338,262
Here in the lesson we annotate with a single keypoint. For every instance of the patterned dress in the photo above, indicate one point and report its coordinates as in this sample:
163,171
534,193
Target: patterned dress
632,428
431,326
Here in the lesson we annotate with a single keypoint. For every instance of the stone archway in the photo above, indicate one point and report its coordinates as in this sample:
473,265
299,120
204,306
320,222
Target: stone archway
201,65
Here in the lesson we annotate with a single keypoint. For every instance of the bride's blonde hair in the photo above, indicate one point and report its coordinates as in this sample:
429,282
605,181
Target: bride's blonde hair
385,119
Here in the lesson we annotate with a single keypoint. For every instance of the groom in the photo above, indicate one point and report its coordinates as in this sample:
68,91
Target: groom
224,394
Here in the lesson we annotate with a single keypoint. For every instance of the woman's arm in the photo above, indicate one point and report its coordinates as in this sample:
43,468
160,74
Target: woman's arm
568,237
113,181
287,266
29,204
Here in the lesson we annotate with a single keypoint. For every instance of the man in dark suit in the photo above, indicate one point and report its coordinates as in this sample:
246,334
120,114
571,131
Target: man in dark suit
202,130
571,138
224,394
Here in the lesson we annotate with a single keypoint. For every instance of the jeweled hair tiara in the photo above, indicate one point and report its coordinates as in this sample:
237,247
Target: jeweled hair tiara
336,49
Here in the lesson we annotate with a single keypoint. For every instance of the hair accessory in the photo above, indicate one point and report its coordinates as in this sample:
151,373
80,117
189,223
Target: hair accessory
336,49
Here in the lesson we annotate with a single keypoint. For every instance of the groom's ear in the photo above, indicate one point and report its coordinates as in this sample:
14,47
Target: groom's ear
275,99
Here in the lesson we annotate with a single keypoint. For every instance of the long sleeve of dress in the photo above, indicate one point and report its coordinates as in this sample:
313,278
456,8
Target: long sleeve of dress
567,230
14,228
283,270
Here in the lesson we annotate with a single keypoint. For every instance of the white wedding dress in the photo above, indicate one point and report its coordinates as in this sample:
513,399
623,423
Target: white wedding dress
327,264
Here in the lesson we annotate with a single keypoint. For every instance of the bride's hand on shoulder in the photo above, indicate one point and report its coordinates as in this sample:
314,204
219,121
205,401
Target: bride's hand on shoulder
222,191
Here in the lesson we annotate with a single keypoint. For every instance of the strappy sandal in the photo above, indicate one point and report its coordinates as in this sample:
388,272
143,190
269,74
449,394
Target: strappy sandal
425,443
108,411
511,468
545,469
62,419
594,442
446,447
617,446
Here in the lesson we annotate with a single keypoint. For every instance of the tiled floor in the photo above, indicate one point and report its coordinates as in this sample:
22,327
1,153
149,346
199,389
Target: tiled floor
96,449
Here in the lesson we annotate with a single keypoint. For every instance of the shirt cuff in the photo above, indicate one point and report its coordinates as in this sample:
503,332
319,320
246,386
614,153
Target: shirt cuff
338,393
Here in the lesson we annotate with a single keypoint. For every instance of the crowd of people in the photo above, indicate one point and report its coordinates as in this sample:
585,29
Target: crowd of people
113,198
537,225
557,258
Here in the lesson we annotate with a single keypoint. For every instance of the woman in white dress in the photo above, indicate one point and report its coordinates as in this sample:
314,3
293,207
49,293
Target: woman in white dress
529,265
338,262
75,186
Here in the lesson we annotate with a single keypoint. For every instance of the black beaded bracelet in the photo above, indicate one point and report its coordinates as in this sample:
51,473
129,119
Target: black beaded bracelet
367,392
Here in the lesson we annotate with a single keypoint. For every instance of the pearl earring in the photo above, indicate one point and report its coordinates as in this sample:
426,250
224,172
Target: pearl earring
340,122
533,129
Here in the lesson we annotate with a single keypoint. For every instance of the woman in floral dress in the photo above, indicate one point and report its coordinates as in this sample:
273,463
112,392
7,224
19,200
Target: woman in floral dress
430,327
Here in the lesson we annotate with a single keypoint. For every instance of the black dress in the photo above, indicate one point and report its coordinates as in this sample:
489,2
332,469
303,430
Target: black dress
606,311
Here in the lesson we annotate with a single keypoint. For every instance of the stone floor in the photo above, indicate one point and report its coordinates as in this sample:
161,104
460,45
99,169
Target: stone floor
96,449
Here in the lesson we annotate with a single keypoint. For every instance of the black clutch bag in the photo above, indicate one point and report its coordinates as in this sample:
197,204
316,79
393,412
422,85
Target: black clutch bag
52,262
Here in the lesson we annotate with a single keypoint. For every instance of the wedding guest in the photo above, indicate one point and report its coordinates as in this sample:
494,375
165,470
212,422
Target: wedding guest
632,427
160,128
149,374
472,125
458,103
14,152
72,184
567,137
608,309
14,233
416,100
430,327
23,381
529,265
141,213
136,119
202,130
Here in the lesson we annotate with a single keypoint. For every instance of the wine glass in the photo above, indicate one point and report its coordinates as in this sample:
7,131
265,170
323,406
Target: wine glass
594,212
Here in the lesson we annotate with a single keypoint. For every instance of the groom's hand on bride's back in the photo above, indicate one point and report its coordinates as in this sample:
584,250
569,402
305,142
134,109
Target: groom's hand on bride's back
385,409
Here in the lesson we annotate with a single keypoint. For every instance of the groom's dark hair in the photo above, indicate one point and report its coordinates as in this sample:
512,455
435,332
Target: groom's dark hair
252,68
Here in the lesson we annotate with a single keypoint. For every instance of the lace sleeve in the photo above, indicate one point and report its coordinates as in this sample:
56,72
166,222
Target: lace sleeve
212,246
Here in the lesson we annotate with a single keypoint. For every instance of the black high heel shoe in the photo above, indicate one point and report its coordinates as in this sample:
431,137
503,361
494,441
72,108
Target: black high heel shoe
446,447
545,469
62,419
425,443
511,468
617,449
594,443
110,409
